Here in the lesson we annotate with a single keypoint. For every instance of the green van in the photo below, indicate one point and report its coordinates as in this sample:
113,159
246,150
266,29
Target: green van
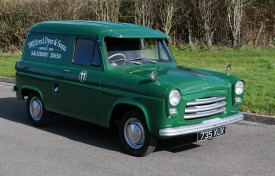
119,73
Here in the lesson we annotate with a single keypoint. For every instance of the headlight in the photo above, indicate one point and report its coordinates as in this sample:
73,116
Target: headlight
174,97
239,88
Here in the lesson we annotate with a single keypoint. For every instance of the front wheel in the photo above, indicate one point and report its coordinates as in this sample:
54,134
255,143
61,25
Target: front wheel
134,135
37,113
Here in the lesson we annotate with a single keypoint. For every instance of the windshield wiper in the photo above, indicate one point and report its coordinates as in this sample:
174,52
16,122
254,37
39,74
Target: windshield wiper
143,59
134,60
117,60
152,61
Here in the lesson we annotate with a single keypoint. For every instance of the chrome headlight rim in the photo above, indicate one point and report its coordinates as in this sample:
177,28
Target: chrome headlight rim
239,87
174,97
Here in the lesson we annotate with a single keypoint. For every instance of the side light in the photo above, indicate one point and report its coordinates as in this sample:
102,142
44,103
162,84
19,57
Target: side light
238,99
173,111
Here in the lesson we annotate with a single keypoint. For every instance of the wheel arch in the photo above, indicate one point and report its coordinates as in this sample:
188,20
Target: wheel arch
122,105
26,90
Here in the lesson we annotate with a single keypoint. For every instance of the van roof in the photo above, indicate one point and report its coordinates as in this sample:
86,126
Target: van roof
97,29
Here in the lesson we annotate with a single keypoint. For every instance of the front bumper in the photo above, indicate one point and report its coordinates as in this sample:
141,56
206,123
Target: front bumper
205,125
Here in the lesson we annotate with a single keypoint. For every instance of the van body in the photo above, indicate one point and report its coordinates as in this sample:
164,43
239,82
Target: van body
103,73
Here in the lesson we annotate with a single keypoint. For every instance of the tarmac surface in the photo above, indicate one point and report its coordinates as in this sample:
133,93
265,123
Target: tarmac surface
72,147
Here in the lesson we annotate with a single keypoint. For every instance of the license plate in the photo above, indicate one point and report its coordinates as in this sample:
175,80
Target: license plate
211,133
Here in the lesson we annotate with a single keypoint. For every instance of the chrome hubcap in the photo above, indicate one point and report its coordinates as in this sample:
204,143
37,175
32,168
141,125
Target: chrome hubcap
134,133
36,108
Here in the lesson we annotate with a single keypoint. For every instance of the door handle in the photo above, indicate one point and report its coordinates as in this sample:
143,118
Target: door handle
68,71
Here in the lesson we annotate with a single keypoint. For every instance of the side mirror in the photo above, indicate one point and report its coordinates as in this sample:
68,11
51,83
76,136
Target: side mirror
228,69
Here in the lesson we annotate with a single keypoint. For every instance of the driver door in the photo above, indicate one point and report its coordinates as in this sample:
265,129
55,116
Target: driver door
82,81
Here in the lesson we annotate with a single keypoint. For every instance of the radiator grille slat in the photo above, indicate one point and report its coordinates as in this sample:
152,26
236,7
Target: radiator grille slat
208,100
205,107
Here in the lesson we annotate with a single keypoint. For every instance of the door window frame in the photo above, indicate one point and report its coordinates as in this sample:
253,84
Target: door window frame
96,44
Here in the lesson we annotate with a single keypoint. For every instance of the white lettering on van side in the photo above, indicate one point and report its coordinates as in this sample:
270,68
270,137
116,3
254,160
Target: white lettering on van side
55,55
61,46
36,42
47,42
39,53
43,48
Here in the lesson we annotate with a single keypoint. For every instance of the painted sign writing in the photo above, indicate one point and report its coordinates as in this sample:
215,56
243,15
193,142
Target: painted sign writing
47,41
47,47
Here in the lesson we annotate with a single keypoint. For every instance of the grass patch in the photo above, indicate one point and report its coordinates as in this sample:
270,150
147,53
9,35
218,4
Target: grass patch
7,63
256,67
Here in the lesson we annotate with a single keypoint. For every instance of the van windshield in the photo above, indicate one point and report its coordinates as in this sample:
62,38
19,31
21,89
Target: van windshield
129,51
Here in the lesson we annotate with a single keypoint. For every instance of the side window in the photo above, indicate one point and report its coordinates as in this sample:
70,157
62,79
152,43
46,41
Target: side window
163,52
96,57
86,53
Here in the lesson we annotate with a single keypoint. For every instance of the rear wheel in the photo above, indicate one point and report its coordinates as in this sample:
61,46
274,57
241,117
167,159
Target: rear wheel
37,113
134,135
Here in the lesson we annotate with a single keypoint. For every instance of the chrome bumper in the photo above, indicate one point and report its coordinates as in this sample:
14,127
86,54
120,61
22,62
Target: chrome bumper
205,125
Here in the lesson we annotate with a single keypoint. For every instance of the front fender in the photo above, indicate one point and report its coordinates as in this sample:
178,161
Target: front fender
134,103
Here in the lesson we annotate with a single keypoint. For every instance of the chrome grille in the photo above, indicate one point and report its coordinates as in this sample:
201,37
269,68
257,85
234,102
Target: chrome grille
205,107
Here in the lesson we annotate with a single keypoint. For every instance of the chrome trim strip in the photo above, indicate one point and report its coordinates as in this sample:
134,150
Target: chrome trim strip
116,33
200,101
204,113
205,107
205,125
